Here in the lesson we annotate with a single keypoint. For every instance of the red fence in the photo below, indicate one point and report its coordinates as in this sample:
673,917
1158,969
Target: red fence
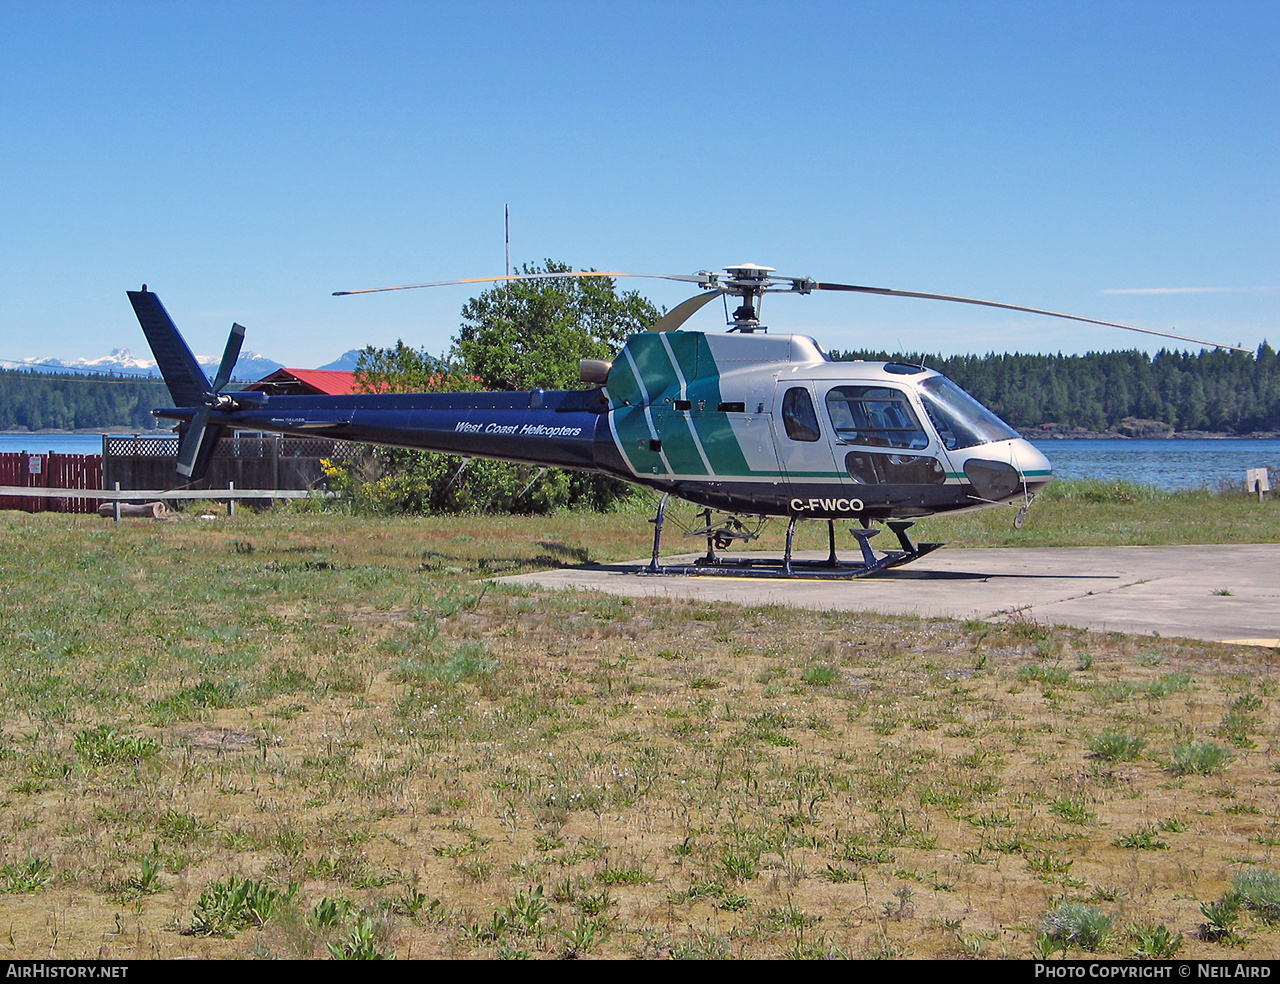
261,463
51,471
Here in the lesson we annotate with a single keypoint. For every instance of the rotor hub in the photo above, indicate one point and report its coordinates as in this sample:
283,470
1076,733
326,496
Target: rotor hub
749,273
748,281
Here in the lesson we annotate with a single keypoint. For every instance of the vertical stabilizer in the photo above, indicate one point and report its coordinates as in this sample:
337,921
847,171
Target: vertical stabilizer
187,384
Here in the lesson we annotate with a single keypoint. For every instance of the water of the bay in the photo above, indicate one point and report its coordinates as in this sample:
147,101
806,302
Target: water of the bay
57,443
1171,464
1166,464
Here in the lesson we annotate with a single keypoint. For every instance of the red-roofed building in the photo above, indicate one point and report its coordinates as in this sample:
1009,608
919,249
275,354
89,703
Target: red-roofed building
307,382
330,382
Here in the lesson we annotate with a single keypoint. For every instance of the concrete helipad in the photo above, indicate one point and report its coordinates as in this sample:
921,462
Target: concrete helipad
1224,594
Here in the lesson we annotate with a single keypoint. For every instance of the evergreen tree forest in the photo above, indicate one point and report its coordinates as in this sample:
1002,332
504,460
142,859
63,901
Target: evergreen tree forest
1223,392
68,401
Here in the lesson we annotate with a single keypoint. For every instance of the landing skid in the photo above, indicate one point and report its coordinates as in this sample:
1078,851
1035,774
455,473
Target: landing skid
832,568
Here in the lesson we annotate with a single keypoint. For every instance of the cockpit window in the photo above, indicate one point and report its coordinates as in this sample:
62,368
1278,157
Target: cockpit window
879,416
798,415
961,421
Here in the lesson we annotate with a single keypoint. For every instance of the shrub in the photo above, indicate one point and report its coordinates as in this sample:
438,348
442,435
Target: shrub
362,942
820,674
28,875
1142,839
1258,890
1116,746
1072,810
1154,942
1200,758
226,906
1074,924
1221,917
106,746
1051,675
470,659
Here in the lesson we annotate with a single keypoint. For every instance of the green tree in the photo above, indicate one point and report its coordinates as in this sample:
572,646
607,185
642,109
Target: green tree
405,370
520,336
526,334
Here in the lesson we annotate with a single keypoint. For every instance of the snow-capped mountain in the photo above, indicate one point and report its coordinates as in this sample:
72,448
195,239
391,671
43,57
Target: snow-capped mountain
251,365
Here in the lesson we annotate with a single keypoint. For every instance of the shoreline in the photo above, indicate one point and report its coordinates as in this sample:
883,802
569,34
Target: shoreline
1064,434
118,432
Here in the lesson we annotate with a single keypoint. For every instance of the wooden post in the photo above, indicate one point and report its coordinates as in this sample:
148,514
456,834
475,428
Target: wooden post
115,504
231,503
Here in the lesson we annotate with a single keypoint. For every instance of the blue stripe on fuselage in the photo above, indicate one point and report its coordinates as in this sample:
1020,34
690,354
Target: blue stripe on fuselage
553,428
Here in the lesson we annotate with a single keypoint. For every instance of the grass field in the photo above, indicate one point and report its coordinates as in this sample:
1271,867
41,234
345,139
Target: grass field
314,735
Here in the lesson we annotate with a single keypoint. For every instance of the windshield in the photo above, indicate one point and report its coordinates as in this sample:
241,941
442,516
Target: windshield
961,421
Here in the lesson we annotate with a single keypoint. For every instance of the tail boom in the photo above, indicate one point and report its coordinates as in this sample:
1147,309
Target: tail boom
554,428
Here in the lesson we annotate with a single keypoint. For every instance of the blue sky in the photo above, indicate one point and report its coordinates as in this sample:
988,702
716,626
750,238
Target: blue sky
1116,160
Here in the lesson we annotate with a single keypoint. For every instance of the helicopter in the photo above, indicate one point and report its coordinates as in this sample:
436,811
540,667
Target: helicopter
744,424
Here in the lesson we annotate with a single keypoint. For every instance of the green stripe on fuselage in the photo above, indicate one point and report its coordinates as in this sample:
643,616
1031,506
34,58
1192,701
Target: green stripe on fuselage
714,429
630,426
721,444
678,443
664,362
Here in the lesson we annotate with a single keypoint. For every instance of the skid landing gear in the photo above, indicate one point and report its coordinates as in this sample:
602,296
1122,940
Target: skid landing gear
721,535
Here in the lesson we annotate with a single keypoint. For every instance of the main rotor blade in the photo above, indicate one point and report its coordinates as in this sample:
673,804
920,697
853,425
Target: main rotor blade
1029,310
681,313
229,356
695,278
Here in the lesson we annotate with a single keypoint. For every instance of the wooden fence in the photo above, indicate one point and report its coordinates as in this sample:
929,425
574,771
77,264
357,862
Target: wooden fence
51,471
267,462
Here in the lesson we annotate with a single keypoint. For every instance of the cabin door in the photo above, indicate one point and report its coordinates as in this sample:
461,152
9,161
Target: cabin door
802,437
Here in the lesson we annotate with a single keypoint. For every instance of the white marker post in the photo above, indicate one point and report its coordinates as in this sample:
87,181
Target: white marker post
1257,480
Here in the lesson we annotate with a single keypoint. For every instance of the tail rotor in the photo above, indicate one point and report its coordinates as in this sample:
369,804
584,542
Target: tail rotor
199,439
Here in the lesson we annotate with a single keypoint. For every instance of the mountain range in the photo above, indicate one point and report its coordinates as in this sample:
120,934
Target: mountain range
121,361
